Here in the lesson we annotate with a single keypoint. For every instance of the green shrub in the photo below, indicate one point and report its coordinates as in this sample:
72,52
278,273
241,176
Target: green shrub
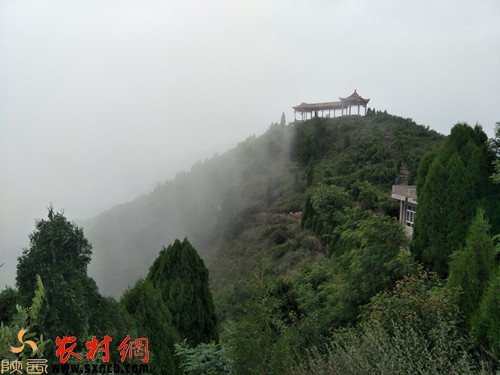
204,359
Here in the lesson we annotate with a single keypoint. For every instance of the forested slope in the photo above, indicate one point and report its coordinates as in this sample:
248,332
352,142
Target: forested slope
256,184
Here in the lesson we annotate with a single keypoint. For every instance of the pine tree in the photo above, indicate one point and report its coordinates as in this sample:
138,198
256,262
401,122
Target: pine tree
181,276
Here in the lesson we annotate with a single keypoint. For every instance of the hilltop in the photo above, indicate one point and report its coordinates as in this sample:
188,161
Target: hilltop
238,208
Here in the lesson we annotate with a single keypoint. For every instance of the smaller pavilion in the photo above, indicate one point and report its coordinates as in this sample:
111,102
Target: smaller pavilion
310,110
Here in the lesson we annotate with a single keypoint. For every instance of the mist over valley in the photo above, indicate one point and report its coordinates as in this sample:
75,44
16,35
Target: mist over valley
203,205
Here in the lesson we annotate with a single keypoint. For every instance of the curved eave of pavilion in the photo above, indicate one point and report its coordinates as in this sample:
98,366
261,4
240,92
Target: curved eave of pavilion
354,98
360,101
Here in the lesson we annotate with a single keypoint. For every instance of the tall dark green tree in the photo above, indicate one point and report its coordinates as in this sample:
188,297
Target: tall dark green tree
73,306
110,318
283,119
60,253
472,267
182,278
485,324
452,185
154,321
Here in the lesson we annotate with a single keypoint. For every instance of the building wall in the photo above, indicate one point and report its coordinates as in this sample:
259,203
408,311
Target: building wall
407,196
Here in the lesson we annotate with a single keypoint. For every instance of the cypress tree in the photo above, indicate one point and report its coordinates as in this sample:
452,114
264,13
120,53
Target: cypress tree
308,215
428,238
485,324
59,252
283,119
472,267
182,278
450,189
145,305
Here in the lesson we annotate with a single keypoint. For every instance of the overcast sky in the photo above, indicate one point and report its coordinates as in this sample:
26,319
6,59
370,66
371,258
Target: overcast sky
102,99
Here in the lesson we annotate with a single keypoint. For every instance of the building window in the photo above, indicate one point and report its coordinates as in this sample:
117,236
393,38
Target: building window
410,215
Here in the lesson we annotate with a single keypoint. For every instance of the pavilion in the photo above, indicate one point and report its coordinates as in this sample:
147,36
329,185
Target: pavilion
309,110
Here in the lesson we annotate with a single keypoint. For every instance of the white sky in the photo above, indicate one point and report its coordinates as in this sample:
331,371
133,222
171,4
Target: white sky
102,99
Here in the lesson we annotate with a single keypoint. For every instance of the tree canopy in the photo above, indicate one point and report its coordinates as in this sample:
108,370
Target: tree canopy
60,253
73,306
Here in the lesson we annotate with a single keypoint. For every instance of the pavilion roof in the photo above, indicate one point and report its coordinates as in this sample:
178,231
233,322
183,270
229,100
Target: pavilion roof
355,98
309,107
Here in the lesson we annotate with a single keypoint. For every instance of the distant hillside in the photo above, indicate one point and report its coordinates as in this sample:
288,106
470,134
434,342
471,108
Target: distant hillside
239,207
